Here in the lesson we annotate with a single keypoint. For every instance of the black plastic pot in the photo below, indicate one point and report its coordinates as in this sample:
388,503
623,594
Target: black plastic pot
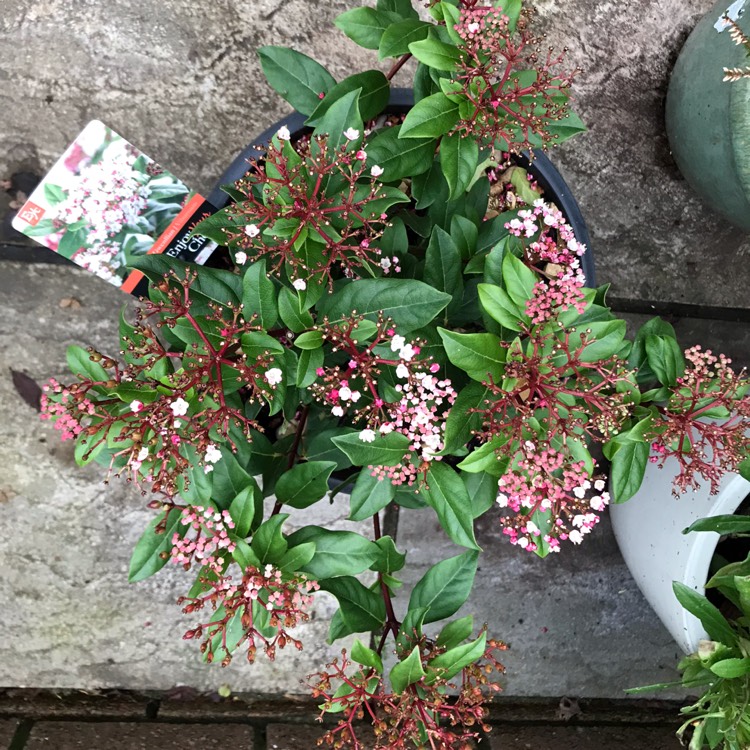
555,188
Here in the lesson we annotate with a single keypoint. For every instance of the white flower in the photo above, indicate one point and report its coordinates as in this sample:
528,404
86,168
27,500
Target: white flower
367,436
579,492
240,258
300,285
407,352
177,424
251,230
136,406
397,342
143,454
599,485
472,28
213,454
385,263
207,469
179,407
345,393
402,371
273,376
351,134
523,542
337,411
578,521
530,446
575,536
356,396
532,528
283,133
375,170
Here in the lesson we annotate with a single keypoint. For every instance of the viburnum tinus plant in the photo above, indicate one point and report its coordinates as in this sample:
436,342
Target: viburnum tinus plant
406,316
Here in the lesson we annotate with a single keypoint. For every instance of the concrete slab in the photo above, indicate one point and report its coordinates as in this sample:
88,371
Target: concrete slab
7,730
182,81
583,738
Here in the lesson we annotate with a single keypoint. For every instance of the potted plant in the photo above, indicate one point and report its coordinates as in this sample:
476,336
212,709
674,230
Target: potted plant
708,124
719,665
405,312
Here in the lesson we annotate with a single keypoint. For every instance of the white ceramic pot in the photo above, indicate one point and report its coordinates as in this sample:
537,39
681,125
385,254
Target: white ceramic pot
648,528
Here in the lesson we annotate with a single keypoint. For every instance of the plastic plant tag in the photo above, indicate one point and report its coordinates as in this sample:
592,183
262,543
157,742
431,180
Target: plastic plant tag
105,203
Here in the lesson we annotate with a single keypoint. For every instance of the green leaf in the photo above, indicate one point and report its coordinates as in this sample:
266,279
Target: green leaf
445,586
244,556
152,550
297,557
465,234
462,422
459,157
482,488
309,340
665,358
431,117
390,560
443,268
402,8
731,668
712,620
480,355
369,496
501,308
374,88
290,308
566,128
446,494
54,194
309,362
268,542
385,450
296,77
259,295
366,656
435,54
399,158
366,26
304,484
362,609
337,553
407,672
341,115
722,525
409,303
81,364
450,663
456,632
519,280
242,511
397,37
486,458
628,469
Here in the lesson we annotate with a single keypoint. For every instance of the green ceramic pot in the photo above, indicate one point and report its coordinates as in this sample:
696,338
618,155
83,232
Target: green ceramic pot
708,120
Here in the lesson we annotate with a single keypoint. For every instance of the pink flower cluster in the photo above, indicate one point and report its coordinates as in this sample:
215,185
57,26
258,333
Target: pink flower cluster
67,410
555,254
546,481
210,536
268,602
420,415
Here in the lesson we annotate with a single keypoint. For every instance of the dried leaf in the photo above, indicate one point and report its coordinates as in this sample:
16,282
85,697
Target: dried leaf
27,388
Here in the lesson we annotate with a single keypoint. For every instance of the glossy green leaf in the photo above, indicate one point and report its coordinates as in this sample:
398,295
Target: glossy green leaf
501,308
397,37
443,268
242,511
81,364
362,609
259,295
712,620
366,26
456,632
407,672
374,93
445,586
480,355
385,450
152,550
296,77
446,494
462,420
370,495
435,53
290,308
399,158
304,484
459,157
366,656
450,663
268,542
665,358
337,553
431,117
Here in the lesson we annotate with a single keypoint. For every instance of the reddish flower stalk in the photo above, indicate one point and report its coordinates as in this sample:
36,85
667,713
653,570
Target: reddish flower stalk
510,112
705,423
315,212
151,429
424,715
268,604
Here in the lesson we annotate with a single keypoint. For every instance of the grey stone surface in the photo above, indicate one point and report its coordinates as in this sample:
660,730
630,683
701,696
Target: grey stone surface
55,735
7,730
182,81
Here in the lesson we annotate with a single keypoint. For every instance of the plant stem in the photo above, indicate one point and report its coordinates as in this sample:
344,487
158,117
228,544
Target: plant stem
294,449
391,623
397,66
